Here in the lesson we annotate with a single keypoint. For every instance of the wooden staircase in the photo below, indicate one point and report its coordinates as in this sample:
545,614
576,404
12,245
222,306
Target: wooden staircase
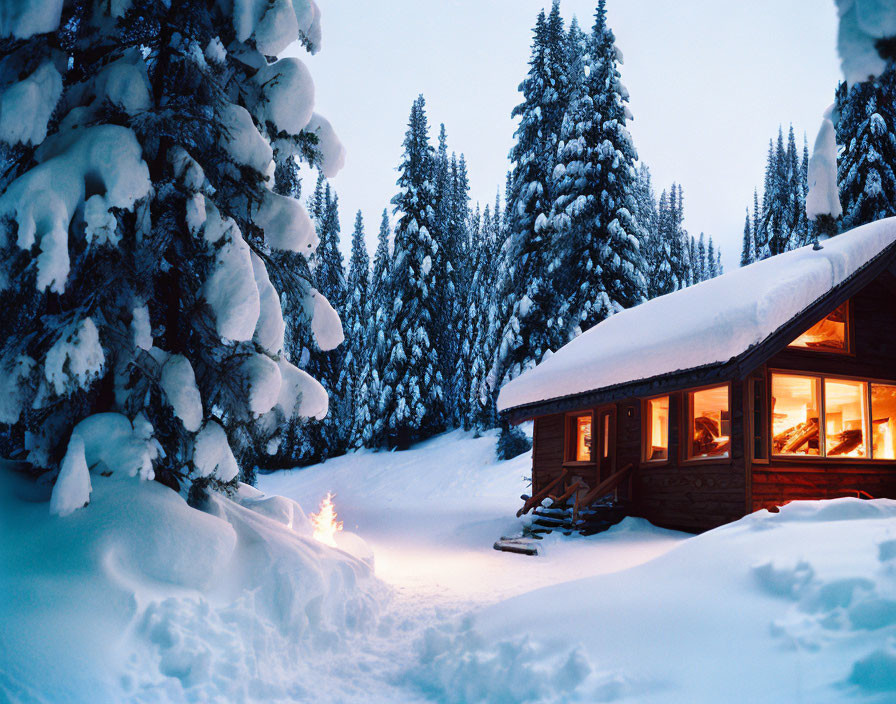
564,508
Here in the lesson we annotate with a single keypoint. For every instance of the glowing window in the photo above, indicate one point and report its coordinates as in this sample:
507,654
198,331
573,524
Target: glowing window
657,431
829,334
883,421
795,415
845,418
579,434
709,423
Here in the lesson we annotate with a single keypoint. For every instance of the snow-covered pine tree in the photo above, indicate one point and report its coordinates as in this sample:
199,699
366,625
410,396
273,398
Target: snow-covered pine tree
461,252
139,154
599,269
866,166
711,264
701,263
757,244
748,249
525,319
354,365
413,372
660,280
371,419
481,409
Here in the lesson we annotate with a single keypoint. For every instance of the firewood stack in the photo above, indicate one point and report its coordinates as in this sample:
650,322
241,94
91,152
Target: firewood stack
794,439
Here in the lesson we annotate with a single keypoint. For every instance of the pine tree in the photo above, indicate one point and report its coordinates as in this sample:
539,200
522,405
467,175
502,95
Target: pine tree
413,374
354,366
701,264
317,440
169,141
526,320
377,397
867,164
661,278
599,268
748,250
711,262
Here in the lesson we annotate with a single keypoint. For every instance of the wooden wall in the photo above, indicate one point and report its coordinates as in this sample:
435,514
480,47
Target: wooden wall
874,346
705,494
686,495
695,495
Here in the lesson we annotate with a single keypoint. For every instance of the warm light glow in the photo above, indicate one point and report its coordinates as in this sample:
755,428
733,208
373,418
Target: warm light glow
845,418
324,521
657,429
710,422
883,421
795,414
583,438
827,334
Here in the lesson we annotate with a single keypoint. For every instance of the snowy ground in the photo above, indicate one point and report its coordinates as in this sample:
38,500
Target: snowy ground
139,598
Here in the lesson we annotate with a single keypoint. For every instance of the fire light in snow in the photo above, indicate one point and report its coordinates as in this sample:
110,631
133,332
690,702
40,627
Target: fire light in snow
324,521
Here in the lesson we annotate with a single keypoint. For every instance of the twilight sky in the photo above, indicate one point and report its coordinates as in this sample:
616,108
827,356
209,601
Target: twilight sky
710,81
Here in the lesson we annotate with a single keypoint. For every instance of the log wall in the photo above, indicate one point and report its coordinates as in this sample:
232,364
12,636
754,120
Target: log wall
874,357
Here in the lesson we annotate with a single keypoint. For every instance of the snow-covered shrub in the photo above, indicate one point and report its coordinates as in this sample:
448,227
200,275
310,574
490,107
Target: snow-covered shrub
149,226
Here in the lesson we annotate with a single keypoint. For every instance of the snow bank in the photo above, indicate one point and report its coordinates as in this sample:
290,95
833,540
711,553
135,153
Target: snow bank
142,598
862,24
796,606
823,197
25,19
26,106
43,201
708,323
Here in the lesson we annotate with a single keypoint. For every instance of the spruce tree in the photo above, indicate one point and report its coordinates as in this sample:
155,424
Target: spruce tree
526,324
413,373
747,252
354,366
155,162
866,167
371,419
701,264
600,270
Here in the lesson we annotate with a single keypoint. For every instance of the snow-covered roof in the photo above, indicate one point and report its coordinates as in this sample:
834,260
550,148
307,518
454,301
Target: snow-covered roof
708,323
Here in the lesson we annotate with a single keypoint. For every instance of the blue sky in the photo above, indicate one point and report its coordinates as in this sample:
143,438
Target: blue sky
709,81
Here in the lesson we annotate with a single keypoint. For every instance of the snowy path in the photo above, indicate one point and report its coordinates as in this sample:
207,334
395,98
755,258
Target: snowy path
431,515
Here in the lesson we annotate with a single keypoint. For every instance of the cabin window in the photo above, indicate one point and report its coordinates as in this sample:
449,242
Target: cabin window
656,415
883,421
830,417
709,423
796,401
845,418
579,438
830,334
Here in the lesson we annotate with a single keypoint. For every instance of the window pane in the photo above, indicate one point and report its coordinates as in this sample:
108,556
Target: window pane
845,418
583,438
883,422
795,403
657,429
710,422
828,334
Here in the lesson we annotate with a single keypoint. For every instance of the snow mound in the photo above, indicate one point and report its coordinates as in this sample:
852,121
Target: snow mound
142,598
657,337
793,606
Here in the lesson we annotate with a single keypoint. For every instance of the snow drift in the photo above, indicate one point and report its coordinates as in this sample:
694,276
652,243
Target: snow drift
141,597
787,607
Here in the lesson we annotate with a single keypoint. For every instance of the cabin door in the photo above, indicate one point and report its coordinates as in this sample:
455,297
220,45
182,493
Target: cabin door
606,441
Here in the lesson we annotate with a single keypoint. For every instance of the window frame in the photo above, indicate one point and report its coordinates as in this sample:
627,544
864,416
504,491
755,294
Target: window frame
759,380
570,439
645,431
684,427
797,459
848,331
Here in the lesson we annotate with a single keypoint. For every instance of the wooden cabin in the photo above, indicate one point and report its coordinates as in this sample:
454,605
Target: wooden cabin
771,383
